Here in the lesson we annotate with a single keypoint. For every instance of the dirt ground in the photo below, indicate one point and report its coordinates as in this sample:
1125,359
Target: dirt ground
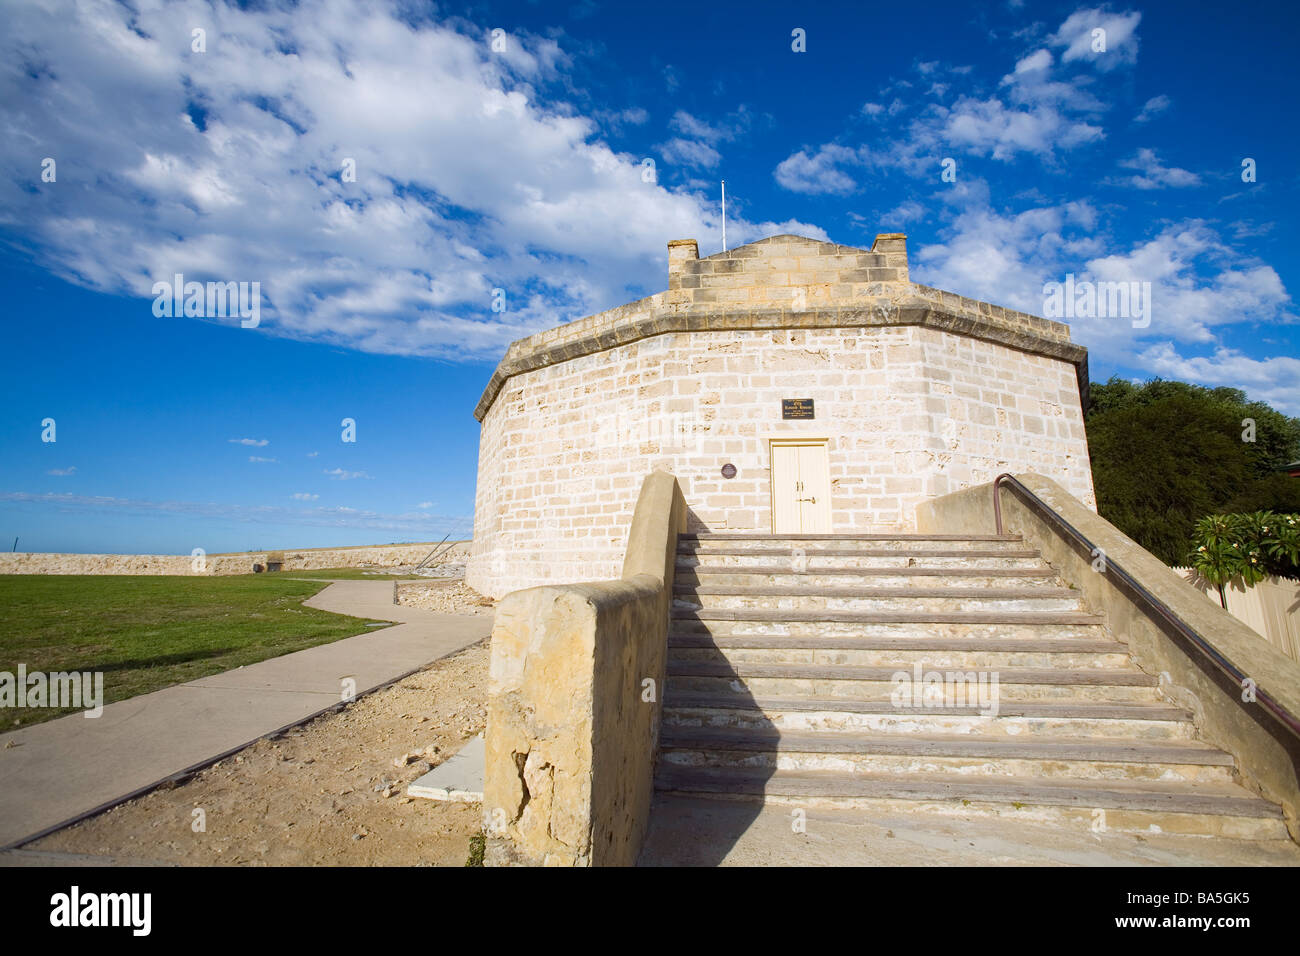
446,597
332,792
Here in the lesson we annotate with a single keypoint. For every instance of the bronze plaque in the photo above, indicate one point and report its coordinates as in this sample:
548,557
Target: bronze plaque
797,408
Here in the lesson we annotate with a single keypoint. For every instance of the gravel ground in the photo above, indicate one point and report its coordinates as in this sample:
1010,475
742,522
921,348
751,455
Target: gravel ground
448,597
332,792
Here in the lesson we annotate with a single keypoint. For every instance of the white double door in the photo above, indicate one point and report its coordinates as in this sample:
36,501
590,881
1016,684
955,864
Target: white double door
801,487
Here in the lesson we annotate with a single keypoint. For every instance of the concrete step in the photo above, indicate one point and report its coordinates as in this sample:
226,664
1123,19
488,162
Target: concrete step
1088,627
870,561
865,559
913,577
809,598
712,536
861,549
840,543
1190,807
1143,720
781,616
983,685
1081,758
901,652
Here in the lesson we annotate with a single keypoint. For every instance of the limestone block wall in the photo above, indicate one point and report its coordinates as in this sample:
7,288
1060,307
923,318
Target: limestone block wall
919,392
308,559
911,412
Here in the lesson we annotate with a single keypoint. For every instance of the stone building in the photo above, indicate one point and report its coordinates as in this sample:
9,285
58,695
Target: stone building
791,385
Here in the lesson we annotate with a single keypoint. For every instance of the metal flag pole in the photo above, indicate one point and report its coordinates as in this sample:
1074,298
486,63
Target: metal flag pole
724,215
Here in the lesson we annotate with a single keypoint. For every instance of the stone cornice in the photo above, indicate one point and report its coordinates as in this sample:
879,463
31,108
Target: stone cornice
527,355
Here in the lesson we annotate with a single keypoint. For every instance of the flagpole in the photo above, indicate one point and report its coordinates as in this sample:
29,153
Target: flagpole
724,215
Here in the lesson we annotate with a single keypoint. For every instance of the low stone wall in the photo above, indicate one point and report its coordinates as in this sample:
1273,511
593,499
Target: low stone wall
574,699
308,559
1268,755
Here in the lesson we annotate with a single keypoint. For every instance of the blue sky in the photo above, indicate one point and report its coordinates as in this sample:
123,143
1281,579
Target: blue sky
523,168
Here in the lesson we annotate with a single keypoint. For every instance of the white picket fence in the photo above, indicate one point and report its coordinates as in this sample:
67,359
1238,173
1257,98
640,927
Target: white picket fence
1271,608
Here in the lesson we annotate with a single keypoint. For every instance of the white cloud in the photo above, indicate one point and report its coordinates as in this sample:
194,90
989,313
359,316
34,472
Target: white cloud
256,458
1036,111
1250,229
1038,60
472,170
991,127
902,214
686,152
338,474
695,128
1154,175
1274,380
821,172
423,505
63,472
303,496
1198,283
1152,107
697,140
1202,291
257,442
1006,259
1076,34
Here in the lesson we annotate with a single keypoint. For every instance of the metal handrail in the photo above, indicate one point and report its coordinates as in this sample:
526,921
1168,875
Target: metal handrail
1280,713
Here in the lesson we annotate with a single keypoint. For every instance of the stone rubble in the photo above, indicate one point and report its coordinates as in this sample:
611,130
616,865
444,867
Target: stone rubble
453,597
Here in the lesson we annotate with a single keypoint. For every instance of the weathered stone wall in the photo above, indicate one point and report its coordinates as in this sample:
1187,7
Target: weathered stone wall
1268,755
574,699
919,391
309,559
910,412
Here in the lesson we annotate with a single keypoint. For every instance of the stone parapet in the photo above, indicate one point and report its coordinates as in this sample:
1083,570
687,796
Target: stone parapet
575,692
929,308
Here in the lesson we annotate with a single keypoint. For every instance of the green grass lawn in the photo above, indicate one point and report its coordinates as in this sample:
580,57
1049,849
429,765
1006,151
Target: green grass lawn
147,632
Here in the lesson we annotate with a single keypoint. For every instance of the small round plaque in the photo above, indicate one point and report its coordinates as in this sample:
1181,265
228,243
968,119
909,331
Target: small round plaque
728,470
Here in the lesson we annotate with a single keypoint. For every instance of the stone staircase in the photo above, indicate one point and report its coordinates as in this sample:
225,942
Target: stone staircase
783,656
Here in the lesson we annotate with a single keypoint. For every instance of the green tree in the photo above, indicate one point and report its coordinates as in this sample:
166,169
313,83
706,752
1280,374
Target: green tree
1167,454
1246,546
1218,558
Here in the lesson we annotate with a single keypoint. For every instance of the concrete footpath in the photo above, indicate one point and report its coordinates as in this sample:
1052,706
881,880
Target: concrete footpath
54,772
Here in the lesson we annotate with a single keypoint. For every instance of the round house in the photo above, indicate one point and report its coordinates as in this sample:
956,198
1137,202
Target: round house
792,386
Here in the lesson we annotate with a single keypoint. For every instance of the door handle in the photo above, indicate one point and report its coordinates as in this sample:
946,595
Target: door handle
813,500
